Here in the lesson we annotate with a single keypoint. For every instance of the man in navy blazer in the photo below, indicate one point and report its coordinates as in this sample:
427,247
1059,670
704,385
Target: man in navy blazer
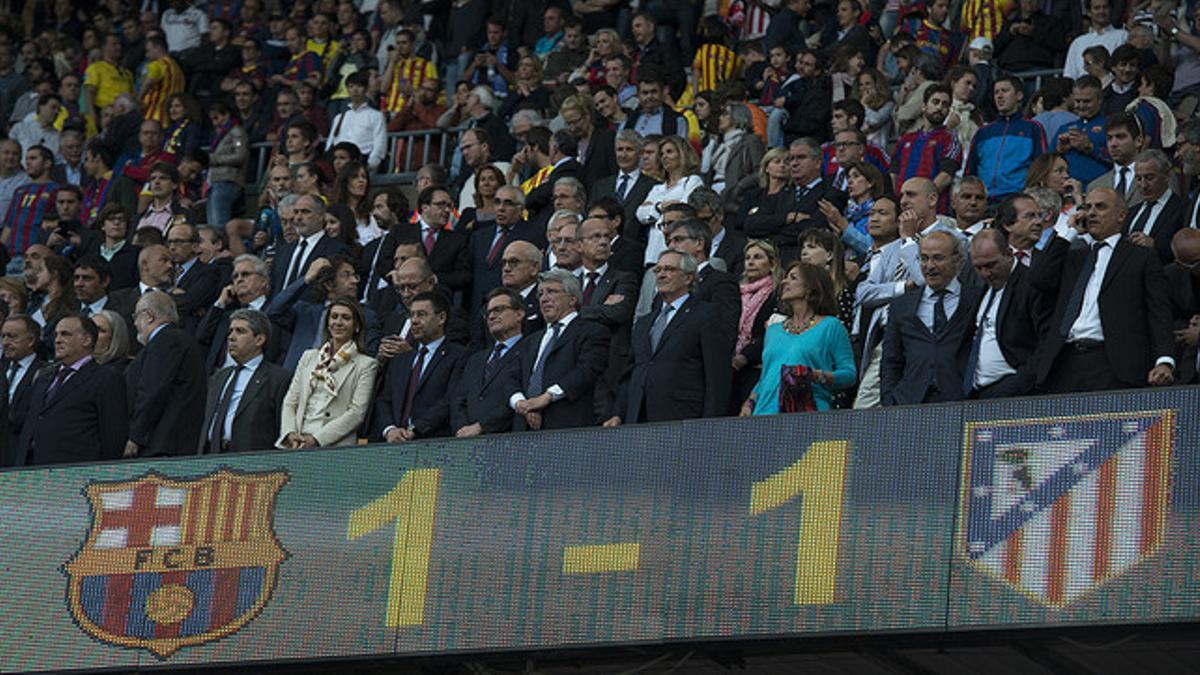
681,364
488,243
77,407
292,260
165,382
561,363
302,317
196,283
929,332
479,404
415,402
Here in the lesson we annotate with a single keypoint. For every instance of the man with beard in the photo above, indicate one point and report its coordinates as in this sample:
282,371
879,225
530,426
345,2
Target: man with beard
933,153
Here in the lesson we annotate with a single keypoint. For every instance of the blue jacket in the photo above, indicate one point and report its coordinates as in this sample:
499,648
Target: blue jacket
1087,167
1001,153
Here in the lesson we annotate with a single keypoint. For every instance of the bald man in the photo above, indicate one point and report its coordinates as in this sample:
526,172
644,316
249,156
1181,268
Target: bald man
928,337
919,218
1111,326
1183,278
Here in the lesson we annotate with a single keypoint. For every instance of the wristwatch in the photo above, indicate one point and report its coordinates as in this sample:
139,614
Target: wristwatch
1174,31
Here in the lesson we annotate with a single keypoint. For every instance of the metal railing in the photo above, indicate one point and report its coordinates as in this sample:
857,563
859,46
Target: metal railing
408,151
1037,75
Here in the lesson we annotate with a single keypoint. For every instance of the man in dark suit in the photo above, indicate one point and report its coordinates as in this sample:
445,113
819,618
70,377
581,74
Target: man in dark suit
726,244
378,258
560,364
244,398
802,208
1183,279
930,330
248,291
1111,326
1007,324
413,278
165,382
447,251
415,402
626,252
292,260
1161,213
154,273
92,279
720,288
629,185
479,402
488,243
303,316
540,201
76,412
596,143
681,367
196,283
19,335
609,297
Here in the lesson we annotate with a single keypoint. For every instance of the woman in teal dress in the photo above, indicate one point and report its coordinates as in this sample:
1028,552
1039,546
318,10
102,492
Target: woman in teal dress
811,337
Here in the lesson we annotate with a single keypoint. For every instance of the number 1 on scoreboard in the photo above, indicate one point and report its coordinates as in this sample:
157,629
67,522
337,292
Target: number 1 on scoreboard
819,476
411,503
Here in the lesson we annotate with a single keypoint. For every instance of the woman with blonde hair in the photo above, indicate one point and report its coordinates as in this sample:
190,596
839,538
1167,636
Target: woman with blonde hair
760,277
112,340
680,167
328,398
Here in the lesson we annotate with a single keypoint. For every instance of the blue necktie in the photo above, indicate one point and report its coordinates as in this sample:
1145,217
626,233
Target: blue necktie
539,368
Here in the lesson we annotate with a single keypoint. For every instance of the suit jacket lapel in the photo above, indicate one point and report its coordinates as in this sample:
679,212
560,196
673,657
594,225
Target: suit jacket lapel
680,316
76,379
434,358
257,379
1119,255
603,284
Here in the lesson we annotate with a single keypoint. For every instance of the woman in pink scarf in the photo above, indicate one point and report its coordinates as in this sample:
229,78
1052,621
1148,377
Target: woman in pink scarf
759,281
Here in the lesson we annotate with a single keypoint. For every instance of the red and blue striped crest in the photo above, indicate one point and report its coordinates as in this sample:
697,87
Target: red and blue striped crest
1056,507
175,563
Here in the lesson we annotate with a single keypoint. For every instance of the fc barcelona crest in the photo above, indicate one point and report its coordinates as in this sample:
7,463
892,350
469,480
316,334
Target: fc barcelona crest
1057,507
174,563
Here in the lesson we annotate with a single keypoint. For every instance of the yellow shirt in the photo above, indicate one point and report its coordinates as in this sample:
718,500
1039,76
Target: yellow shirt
165,78
110,81
327,50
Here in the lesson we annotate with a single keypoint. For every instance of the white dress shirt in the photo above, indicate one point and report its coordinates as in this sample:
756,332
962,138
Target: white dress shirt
1155,207
1087,325
556,392
928,300
992,365
363,126
312,240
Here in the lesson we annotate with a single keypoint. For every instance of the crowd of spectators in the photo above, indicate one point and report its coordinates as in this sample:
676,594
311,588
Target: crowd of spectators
623,211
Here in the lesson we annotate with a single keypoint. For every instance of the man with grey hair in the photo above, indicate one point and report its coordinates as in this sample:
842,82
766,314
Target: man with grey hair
248,290
246,396
560,364
165,382
562,232
481,107
629,186
292,260
681,367
1162,212
570,195
488,243
713,285
801,209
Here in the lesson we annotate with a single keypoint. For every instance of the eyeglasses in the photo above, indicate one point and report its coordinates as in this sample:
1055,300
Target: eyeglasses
512,262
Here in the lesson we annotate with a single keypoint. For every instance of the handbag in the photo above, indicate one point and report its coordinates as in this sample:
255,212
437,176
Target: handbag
795,389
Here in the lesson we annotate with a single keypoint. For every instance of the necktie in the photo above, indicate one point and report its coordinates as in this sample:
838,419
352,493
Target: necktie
13,368
86,309
179,272
539,368
1143,218
660,325
338,129
1022,256
493,363
939,311
622,188
498,247
216,434
430,240
589,287
414,381
973,358
1075,303
63,373
1122,182
295,269
801,191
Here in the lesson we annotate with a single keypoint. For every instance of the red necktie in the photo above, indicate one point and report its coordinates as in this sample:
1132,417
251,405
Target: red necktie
414,381
430,240
498,247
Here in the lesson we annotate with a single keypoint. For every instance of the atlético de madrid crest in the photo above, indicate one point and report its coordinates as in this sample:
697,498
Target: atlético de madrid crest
174,563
